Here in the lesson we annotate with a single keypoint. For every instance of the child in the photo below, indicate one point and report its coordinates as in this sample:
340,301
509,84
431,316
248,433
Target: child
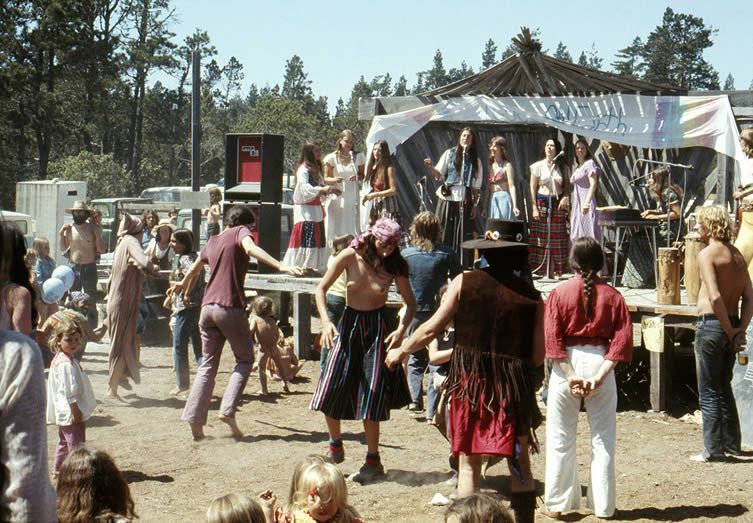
75,310
70,399
440,353
291,366
295,482
43,272
91,488
266,335
322,496
185,310
213,213
478,507
336,293
235,508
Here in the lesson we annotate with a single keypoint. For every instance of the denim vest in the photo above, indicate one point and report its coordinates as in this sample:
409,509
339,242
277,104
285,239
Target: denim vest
453,178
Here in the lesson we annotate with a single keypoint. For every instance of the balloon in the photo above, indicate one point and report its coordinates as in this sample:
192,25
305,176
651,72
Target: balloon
64,274
53,290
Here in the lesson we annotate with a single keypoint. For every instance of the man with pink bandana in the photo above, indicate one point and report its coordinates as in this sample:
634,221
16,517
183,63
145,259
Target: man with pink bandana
355,383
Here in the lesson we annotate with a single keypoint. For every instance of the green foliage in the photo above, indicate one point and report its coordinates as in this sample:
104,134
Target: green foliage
561,53
590,58
104,177
489,56
630,59
729,83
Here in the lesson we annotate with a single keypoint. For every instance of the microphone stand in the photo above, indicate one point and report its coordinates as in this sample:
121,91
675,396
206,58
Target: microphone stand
358,193
460,236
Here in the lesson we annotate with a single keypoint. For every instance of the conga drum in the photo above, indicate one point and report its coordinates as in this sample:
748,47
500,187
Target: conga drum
693,246
668,287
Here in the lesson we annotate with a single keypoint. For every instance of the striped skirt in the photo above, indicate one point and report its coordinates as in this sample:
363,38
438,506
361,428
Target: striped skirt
558,240
355,383
307,247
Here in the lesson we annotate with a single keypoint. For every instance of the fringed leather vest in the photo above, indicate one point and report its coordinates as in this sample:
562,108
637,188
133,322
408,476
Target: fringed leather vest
494,334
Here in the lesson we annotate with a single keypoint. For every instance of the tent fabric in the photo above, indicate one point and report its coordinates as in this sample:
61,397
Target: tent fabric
654,122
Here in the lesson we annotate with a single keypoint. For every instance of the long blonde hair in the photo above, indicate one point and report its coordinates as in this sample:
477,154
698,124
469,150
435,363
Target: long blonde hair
235,508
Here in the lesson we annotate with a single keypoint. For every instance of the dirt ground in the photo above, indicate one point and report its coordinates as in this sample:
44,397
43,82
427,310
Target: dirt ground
173,478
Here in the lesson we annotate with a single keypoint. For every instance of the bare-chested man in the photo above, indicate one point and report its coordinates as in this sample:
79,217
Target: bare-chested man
83,241
720,331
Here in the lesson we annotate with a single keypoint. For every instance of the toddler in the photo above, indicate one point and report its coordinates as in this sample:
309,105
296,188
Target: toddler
91,488
291,365
70,399
322,496
266,335
42,272
236,508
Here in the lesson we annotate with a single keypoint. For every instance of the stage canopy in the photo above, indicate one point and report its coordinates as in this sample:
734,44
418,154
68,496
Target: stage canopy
646,121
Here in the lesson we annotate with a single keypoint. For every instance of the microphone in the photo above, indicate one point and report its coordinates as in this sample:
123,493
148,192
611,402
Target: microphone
559,155
351,155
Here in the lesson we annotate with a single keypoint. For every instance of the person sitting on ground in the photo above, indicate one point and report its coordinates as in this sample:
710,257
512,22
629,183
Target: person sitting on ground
290,365
237,508
725,290
266,334
322,496
476,508
91,488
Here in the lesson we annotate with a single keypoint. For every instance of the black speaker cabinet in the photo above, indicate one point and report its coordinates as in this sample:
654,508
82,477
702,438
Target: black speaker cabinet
266,230
253,167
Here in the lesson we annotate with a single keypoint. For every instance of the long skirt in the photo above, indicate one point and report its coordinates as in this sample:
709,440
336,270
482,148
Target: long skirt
449,216
307,247
556,240
355,383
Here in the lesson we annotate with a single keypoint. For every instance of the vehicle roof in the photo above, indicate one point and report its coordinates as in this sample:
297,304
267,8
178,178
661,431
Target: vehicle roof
183,212
12,214
116,200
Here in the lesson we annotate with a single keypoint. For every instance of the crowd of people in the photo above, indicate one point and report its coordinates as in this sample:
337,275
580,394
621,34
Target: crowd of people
480,334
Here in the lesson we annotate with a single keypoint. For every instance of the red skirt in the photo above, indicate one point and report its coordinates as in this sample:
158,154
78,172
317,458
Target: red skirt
481,431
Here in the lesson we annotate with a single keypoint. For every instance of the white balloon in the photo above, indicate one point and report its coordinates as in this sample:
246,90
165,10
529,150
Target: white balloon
53,290
64,274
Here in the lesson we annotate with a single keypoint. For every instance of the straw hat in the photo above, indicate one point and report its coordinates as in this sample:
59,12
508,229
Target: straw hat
80,205
164,222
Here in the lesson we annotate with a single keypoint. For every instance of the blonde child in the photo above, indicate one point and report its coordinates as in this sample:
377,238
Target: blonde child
236,508
91,488
42,272
335,297
70,399
291,365
321,496
214,211
266,334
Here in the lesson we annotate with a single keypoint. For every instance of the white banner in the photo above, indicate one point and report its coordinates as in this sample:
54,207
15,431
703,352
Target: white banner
656,122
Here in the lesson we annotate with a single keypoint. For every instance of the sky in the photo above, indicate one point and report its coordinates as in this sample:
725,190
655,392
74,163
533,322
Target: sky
338,41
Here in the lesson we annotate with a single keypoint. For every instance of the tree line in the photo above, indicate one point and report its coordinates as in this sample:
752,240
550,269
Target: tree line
78,105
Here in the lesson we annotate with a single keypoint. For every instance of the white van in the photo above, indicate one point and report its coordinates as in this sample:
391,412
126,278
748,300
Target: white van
24,222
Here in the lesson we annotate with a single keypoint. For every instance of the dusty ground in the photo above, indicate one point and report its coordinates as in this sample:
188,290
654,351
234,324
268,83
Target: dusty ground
174,479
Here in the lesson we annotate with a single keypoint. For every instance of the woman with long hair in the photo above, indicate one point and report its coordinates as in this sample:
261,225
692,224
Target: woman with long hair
460,170
18,310
381,183
343,168
588,331
584,218
355,383
503,197
639,267
307,246
549,238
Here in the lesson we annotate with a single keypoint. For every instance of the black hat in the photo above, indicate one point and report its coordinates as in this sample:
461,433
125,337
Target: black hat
501,234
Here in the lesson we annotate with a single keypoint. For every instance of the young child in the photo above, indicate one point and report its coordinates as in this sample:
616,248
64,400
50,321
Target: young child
43,272
478,507
70,399
266,335
236,508
291,365
214,211
91,488
336,293
322,496
75,310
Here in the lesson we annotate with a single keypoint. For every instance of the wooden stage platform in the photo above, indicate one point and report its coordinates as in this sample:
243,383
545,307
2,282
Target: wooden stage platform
641,304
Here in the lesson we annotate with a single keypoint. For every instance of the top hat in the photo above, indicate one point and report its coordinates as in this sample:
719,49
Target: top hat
80,205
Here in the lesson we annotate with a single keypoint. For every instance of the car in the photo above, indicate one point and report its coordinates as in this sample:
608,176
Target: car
111,209
24,222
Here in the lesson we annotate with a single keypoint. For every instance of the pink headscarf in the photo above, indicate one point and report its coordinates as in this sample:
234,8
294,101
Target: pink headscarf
386,230
129,225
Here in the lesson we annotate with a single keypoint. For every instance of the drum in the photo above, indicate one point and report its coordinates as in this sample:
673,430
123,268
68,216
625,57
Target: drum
668,288
693,246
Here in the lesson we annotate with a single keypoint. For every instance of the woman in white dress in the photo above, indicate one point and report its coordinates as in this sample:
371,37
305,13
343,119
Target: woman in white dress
344,169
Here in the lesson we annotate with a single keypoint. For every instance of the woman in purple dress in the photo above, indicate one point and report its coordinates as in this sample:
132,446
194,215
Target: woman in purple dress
584,218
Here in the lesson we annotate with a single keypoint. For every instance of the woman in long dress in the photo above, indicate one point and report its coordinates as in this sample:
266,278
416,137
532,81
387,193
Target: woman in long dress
123,303
549,178
584,218
307,246
503,198
344,169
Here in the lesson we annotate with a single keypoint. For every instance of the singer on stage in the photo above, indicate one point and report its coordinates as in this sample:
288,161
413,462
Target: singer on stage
343,168
460,169
584,218
502,199
381,181
548,244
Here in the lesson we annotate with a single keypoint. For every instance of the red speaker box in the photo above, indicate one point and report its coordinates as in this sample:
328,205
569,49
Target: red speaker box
254,167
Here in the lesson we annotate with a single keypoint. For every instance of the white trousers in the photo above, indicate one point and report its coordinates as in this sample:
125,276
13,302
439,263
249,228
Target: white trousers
562,490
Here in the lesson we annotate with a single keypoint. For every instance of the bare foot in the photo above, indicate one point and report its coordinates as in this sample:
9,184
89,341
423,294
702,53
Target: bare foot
261,393
197,431
237,434
178,390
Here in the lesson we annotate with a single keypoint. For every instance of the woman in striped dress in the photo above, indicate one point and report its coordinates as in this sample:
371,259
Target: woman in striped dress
355,382
307,246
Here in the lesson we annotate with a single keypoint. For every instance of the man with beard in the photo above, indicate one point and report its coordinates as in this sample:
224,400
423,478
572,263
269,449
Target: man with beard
81,242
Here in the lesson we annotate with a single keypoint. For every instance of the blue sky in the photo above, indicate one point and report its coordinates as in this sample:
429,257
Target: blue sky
339,41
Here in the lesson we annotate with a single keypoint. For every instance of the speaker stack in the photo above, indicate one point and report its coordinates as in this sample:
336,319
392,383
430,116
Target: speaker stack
253,177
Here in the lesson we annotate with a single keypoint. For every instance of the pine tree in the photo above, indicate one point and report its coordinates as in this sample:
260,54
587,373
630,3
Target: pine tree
561,53
629,60
489,56
401,87
729,83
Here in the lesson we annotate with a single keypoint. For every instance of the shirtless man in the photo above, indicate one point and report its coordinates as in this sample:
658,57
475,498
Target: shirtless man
720,331
83,241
